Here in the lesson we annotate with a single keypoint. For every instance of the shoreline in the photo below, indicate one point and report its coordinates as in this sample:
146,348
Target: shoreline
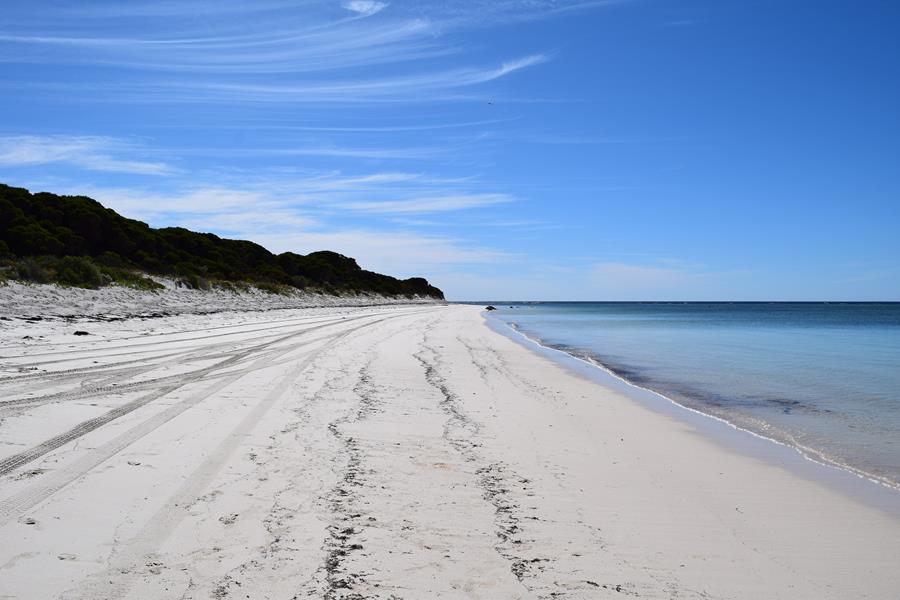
391,452
858,485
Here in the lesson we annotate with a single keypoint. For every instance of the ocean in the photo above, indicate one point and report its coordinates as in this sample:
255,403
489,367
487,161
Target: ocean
821,377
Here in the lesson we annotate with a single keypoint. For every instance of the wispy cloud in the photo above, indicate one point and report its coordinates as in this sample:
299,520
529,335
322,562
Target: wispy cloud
250,223
167,9
272,52
402,253
201,204
333,68
366,8
288,217
379,129
284,201
429,205
289,45
89,152
289,198
490,12
426,86
448,84
514,65
339,152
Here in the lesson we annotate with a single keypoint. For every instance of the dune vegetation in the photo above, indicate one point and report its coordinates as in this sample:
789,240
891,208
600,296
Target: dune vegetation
74,240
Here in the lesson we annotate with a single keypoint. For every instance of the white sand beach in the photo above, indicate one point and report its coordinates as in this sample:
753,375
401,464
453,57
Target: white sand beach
384,452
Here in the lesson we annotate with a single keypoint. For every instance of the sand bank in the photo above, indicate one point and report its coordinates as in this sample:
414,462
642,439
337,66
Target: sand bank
404,452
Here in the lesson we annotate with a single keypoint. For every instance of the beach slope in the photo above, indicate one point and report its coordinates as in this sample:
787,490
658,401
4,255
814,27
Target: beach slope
387,452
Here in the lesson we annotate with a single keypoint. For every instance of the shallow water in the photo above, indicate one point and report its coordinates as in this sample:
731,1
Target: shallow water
822,377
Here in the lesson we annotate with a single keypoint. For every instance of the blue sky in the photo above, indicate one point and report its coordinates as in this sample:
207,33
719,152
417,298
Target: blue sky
519,149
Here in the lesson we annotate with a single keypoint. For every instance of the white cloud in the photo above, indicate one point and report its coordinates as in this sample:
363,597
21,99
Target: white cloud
263,56
398,253
515,65
391,129
156,206
94,153
167,9
339,152
480,13
296,43
366,8
250,223
244,214
429,205
281,194
407,88
284,216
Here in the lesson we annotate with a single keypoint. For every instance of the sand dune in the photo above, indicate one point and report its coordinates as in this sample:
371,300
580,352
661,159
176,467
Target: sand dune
390,452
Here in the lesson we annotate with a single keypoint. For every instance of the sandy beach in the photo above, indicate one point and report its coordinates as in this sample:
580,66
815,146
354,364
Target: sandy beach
384,452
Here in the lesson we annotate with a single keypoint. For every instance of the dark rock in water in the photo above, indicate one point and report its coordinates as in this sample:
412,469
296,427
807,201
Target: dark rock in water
82,333
491,308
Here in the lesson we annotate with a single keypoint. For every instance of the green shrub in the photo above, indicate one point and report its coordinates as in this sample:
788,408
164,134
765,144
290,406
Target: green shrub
231,286
132,279
80,272
272,288
30,269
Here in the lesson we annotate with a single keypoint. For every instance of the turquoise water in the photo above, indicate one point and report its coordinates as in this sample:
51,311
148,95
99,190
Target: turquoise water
822,377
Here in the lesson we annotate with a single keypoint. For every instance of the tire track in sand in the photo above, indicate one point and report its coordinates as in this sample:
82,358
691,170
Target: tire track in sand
127,348
501,487
19,503
117,580
17,460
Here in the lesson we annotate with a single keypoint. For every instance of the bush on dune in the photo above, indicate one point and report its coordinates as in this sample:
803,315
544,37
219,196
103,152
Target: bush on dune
73,271
78,271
